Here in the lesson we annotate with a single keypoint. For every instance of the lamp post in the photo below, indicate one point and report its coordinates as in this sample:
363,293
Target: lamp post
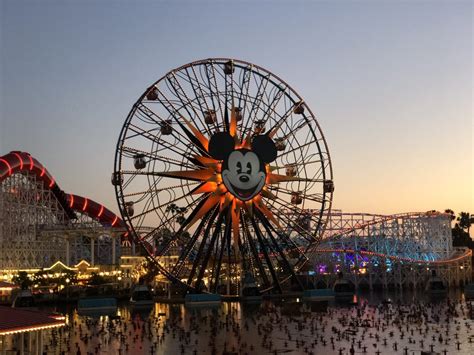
67,287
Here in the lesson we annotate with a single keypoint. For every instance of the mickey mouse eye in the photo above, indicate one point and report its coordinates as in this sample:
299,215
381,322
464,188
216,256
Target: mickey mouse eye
249,168
239,167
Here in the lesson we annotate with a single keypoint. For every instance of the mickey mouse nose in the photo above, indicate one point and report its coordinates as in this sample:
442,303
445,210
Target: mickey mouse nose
244,178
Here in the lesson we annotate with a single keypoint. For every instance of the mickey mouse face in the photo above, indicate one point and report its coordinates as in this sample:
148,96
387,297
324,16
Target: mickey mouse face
244,175
243,170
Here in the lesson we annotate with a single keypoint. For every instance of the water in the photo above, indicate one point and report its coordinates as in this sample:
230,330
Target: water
409,324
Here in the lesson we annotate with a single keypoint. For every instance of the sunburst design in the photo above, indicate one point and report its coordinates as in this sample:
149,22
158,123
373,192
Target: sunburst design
214,188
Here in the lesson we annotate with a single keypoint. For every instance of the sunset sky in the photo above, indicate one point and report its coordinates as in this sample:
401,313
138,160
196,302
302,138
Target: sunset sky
390,83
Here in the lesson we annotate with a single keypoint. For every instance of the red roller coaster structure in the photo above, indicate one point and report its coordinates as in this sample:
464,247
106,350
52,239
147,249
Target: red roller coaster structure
19,162
41,223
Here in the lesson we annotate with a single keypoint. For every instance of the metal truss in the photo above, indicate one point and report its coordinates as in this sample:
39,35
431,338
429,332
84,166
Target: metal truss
25,206
36,231
390,251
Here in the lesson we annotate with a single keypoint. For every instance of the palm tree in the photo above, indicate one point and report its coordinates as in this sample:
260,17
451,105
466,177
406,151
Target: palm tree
451,214
465,220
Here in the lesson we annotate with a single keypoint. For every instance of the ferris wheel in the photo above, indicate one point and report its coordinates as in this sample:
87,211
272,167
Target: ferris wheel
229,167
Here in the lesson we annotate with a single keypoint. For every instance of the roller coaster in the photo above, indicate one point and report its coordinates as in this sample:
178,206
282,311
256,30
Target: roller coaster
41,224
401,250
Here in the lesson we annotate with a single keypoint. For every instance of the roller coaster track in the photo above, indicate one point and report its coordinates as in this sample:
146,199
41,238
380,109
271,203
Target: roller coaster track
383,219
22,162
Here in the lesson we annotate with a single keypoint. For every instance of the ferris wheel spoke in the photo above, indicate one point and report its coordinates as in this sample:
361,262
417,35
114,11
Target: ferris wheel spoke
284,239
293,130
203,72
245,83
146,112
253,248
148,201
171,80
276,179
225,240
185,154
279,121
201,247
269,229
185,103
210,247
213,70
158,207
170,146
156,157
212,88
177,268
263,248
290,221
200,97
193,138
140,134
315,197
188,136
272,106
166,222
255,104
193,175
293,150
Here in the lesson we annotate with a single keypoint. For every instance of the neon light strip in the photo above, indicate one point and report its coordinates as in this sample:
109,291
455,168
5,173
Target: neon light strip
101,211
71,198
52,183
21,160
392,257
33,328
42,171
85,204
8,165
32,163
115,221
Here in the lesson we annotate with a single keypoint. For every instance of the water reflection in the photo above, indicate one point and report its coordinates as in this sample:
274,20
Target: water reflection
377,323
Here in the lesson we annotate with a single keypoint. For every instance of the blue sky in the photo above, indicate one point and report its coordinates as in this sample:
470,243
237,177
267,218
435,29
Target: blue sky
390,83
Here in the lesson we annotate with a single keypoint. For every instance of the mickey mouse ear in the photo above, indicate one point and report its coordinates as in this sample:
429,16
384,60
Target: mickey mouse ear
265,148
221,145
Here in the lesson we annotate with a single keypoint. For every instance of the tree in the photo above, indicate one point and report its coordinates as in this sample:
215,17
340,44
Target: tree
96,280
465,220
461,238
22,280
451,213
177,213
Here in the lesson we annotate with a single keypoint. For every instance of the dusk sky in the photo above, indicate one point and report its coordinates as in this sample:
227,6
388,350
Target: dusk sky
390,83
